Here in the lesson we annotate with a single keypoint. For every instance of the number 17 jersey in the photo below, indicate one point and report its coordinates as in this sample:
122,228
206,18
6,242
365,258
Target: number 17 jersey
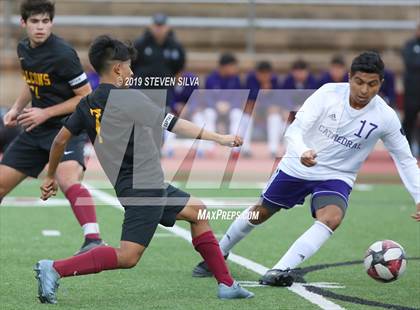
343,137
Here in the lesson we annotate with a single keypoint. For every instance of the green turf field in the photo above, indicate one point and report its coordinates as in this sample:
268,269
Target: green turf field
162,280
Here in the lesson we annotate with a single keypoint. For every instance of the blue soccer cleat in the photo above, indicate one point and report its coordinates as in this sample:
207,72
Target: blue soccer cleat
233,292
47,281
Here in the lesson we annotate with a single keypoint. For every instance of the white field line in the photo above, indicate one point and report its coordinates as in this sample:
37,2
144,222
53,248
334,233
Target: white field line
51,233
34,202
297,288
211,203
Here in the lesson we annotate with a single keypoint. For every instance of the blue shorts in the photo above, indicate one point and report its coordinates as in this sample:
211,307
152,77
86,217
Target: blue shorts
284,192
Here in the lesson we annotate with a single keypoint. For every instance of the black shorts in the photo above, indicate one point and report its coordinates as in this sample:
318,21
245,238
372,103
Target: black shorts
29,152
141,221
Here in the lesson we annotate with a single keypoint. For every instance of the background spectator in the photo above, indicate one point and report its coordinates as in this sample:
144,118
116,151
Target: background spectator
178,97
387,91
159,52
221,110
261,84
300,77
337,72
411,57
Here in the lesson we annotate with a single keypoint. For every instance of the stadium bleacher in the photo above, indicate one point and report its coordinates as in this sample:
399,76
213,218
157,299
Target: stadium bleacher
278,30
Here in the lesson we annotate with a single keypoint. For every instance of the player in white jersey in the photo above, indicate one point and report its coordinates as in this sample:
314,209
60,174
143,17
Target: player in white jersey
333,133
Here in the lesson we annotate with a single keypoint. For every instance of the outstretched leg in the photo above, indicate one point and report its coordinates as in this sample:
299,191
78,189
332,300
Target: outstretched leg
328,219
206,244
204,240
101,258
238,230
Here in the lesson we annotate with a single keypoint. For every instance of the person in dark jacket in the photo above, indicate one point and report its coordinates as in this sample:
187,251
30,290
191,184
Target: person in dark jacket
387,90
411,58
160,54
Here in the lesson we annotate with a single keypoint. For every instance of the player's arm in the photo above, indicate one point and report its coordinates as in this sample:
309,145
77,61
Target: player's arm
304,120
49,186
10,119
397,144
72,127
32,117
68,106
190,130
149,114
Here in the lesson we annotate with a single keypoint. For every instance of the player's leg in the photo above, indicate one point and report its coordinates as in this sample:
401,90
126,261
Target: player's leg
9,179
238,230
22,158
278,194
183,207
329,202
244,224
411,108
140,223
69,175
101,258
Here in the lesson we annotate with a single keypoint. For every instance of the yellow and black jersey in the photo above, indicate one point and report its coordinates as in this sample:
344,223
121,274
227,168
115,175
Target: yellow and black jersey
51,70
125,127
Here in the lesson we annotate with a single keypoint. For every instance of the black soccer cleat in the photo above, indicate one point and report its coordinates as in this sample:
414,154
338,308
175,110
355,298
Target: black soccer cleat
202,269
277,277
90,244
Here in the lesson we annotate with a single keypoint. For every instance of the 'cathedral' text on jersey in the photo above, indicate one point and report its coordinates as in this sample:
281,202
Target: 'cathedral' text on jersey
343,137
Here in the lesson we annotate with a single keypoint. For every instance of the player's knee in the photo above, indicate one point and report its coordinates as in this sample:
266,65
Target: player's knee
65,184
200,217
259,214
128,261
330,215
332,221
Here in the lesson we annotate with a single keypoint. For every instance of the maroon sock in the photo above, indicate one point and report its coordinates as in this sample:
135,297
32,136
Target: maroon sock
84,209
93,261
207,245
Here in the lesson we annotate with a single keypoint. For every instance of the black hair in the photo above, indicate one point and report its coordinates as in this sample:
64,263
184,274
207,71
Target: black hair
227,59
105,49
338,60
264,66
33,7
300,64
368,62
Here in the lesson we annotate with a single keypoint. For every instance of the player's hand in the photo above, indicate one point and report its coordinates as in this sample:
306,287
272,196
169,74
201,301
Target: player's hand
32,117
49,188
416,215
230,140
10,118
308,158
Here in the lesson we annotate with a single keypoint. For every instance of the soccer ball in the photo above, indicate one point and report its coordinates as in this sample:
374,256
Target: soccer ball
385,261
